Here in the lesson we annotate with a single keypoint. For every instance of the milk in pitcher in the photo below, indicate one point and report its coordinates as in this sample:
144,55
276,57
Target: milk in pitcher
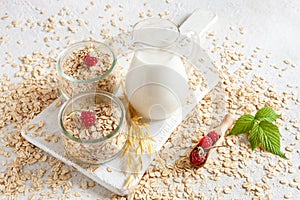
156,83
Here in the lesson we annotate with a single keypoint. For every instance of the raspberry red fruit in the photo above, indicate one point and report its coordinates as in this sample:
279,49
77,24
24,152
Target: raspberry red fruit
90,60
88,118
214,136
206,142
197,156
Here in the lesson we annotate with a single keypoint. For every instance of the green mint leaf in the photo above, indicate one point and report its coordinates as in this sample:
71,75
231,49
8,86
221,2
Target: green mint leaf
242,125
270,137
266,114
255,135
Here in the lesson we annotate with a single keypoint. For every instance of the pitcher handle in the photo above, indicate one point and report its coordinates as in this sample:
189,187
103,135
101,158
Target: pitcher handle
197,23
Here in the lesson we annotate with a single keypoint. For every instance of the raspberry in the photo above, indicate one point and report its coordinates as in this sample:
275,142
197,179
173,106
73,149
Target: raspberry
88,118
214,136
198,156
90,61
206,142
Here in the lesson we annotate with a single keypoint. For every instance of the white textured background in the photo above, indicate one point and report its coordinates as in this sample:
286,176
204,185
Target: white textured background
273,25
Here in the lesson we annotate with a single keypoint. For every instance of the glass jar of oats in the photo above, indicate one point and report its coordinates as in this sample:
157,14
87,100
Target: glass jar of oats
93,127
87,66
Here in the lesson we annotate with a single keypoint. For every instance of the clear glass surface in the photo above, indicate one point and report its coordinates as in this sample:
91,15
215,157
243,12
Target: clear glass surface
93,150
70,83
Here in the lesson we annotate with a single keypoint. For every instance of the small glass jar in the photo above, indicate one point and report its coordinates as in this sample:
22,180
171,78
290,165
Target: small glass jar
87,66
93,127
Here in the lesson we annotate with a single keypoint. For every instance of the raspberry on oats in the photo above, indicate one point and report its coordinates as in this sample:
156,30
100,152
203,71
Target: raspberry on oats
90,61
88,118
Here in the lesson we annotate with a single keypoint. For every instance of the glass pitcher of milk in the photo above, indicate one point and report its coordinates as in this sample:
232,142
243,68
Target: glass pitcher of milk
156,83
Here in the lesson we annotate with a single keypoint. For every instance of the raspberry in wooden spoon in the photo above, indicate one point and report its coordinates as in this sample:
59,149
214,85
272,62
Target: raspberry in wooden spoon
198,156
207,145
206,142
214,136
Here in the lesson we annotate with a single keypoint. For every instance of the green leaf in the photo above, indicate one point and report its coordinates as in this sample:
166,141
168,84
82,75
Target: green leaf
255,135
270,137
242,125
266,114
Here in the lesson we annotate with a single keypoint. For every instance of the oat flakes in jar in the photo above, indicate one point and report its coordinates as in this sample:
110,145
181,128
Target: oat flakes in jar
87,66
93,127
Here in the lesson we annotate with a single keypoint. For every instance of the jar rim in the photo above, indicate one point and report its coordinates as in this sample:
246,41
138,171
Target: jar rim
76,45
102,93
157,23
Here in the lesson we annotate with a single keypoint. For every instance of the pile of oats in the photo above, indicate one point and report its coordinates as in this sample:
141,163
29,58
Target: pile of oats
74,66
106,122
21,103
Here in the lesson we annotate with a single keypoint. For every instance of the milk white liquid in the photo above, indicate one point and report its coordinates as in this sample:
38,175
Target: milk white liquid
156,83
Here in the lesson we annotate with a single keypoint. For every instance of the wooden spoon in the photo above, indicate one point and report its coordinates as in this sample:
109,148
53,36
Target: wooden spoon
226,123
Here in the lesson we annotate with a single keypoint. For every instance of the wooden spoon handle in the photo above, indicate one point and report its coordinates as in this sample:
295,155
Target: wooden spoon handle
226,123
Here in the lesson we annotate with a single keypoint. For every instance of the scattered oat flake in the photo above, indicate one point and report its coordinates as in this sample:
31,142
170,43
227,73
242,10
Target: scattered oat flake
77,194
109,169
4,17
58,104
288,195
287,62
